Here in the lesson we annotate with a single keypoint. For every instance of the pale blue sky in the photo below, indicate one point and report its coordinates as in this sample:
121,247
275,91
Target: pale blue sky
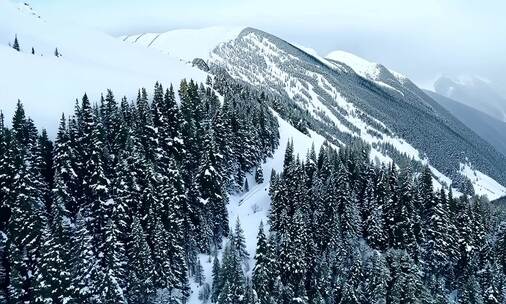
421,39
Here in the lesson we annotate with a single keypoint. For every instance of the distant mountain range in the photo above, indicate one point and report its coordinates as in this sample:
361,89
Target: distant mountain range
489,128
475,92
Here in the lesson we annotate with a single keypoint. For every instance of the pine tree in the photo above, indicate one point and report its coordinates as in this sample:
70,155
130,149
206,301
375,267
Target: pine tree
435,229
261,273
199,273
217,280
15,45
239,242
211,189
163,277
376,284
246,185
501,246
292,255
347,206
406,285
140,266
174,123
96,201
259,175
114,254
233,290
374,226
24,229
87,275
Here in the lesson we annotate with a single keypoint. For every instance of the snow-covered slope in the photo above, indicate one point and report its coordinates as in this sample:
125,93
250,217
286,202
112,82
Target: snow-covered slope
91,62
360,65
252,207
185,44
369,70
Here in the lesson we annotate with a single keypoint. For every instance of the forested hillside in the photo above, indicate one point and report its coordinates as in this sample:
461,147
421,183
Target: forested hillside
117,208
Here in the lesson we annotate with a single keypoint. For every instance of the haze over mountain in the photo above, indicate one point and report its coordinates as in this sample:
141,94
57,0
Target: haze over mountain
489,128
474,92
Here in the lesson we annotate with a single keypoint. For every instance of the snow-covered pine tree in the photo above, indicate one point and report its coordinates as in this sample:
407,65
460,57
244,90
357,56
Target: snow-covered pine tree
114,255
239,242
199,273
217,280
374,226
262,277
259,175
163,276
87,275
27,218
292,255
436,221
211,189
140,268
406,285
233,290
174,122
96,200
347,206
221,129
375,286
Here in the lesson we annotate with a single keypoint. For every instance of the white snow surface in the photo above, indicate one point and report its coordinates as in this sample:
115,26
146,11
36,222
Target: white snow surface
91,62
186,44
482,183
363,67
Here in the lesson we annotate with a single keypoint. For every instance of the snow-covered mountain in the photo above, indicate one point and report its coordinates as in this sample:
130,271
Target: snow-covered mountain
342,93
341,97
347,98
474,92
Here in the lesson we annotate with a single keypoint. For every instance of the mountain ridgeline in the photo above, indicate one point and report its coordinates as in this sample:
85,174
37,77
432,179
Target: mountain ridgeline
333,100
